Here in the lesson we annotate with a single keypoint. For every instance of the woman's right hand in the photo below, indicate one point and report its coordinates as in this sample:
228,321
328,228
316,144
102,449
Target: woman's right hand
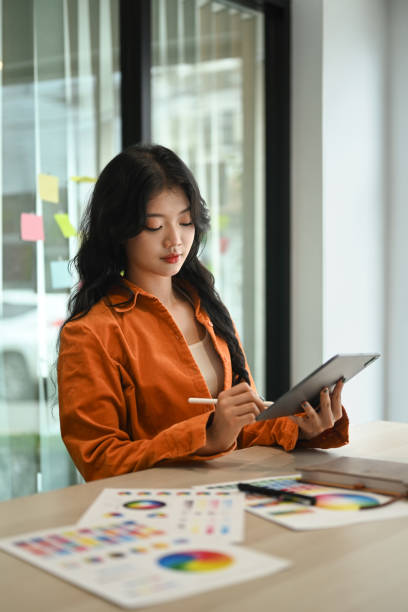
235,408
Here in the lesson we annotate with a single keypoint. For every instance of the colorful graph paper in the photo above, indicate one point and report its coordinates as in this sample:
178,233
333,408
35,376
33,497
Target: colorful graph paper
188,512
135,565
334,507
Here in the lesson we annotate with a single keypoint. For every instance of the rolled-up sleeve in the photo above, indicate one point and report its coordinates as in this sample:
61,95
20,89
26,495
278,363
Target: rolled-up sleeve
284,432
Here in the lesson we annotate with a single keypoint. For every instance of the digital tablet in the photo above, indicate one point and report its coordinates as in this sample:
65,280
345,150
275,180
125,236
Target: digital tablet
339,366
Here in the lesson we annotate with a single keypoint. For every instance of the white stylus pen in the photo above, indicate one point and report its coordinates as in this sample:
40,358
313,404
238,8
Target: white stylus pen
211,400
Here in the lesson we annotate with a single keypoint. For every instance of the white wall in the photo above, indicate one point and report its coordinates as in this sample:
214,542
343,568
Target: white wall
346,211
397,287
354,180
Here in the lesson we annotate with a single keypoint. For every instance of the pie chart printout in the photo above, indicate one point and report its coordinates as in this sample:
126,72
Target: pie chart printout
345,501
196,561
144,504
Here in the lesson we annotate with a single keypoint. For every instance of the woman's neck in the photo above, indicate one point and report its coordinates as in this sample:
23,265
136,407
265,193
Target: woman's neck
160,287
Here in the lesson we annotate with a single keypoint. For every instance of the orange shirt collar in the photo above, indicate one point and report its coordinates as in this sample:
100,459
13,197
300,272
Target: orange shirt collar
122,301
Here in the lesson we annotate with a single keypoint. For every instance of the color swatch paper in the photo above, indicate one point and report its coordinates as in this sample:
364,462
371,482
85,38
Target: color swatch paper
65,225
187,512
134,565
31,227
48,187
335,507
60,276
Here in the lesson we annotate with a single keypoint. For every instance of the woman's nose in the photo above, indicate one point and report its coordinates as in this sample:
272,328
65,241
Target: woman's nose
172,237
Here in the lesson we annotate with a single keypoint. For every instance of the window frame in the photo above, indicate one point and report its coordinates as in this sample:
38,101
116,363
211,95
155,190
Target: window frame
135,47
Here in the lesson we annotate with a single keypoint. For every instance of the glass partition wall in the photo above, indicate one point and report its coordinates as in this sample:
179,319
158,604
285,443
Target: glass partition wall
59,125
207,82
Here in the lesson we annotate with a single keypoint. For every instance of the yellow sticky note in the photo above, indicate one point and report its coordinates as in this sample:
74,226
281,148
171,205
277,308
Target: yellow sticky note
65,226
83,179
48,188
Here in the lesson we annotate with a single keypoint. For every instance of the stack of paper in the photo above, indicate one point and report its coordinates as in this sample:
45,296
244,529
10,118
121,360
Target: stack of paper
335,507
142,547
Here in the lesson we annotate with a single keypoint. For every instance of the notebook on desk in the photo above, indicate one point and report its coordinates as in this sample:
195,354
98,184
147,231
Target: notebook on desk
386,477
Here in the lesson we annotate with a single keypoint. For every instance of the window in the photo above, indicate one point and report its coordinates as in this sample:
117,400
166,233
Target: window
60,124
207,84
208,79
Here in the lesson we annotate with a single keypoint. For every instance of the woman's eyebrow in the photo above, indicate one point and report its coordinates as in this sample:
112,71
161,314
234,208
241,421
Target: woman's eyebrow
160,215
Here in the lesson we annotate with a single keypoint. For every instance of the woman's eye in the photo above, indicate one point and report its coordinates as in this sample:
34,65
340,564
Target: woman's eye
187,224
152,229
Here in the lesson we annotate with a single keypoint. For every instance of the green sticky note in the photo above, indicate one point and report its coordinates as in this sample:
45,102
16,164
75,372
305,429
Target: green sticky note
65,226
223,221
83,179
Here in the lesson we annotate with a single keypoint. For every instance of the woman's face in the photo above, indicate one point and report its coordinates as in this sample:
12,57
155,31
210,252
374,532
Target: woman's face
161,248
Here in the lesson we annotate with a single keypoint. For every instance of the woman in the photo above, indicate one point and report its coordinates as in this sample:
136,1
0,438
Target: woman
147,331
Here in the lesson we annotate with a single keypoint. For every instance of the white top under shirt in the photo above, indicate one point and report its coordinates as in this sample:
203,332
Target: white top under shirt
209,363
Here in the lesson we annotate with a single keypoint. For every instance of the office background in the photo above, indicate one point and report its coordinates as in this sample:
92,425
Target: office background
291,116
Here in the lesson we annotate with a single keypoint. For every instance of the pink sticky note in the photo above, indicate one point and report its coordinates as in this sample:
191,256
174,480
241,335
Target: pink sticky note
31,227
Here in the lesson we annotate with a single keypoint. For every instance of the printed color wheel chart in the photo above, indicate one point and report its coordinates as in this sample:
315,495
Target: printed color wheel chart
144,504
196,561
345,501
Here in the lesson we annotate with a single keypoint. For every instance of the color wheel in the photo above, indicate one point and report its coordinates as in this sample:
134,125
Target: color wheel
144,504
345,501
196,561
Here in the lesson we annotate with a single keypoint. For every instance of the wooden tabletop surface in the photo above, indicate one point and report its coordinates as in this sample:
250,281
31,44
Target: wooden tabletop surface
357,568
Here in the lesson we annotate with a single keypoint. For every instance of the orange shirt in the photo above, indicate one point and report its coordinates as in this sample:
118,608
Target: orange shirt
124,376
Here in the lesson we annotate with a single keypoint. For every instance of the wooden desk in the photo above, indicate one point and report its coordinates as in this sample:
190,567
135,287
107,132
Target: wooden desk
357,568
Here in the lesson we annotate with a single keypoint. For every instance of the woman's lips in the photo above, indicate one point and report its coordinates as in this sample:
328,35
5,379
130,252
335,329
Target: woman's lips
171,259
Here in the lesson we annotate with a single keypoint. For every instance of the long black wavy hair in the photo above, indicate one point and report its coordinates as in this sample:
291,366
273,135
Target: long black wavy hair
117,211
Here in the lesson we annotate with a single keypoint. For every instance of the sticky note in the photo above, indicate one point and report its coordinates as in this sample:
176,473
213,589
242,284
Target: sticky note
48,188
65,226
83,179
223,221
31,227
60,276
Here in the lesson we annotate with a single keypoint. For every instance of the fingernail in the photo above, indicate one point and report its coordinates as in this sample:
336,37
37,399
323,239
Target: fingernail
326,390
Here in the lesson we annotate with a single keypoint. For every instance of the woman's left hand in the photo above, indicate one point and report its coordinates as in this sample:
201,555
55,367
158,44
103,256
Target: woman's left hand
315,421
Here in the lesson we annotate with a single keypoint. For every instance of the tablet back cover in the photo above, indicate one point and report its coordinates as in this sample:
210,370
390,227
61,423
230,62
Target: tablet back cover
339,366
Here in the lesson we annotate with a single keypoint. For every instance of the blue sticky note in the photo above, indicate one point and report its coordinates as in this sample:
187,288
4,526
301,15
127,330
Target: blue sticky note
60,276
